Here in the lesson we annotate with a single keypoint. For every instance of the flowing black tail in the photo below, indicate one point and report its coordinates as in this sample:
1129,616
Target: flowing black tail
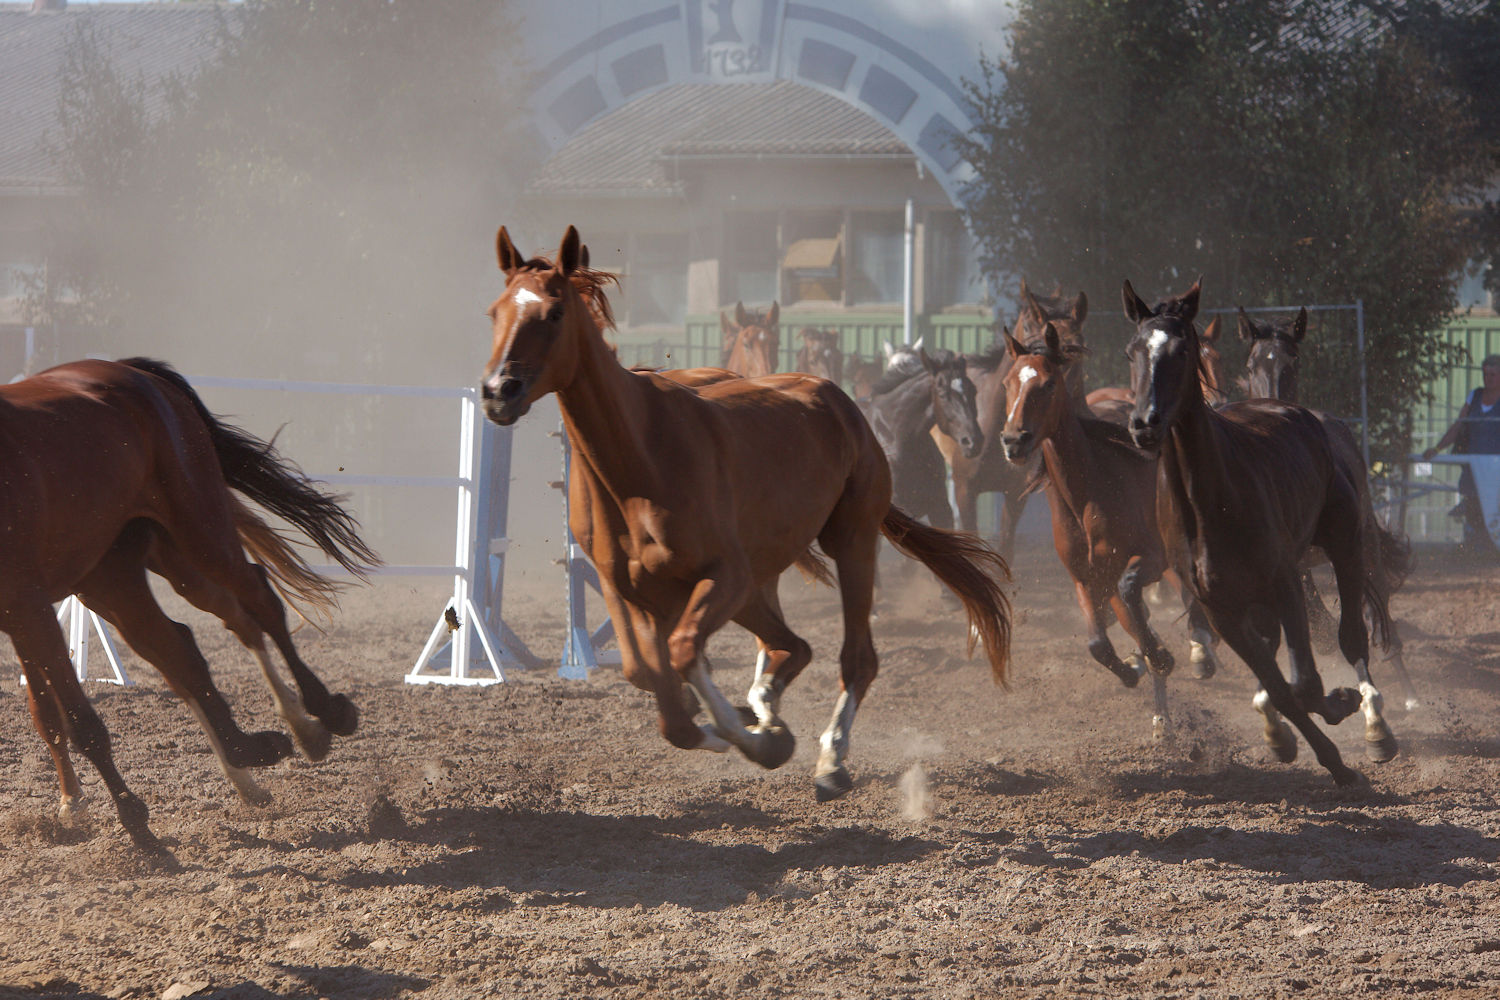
969,568
254,468
1387,563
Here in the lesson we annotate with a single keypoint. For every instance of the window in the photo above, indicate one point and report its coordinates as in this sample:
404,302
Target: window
877,257
749,257
811,260
952,263
658,279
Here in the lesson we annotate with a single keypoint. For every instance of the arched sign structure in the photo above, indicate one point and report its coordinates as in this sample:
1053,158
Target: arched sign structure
899,61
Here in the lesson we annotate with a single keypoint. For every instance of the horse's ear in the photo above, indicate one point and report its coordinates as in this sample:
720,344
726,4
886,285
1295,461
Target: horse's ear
1013,347
725,326
1054,344
740,317
1244,326
1135,309
1299,326
774,316
1030,304
889,348
583,256
1189,299
505,251
927,363
568,252
1080,308
918,345
1211,332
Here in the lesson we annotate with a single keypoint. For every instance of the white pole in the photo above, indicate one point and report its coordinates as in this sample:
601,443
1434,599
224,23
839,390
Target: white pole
908,273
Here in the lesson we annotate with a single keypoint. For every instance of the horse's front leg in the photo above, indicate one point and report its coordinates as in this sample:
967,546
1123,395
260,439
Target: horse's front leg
1130,608
715,599
1306,683
1203,641
1100,648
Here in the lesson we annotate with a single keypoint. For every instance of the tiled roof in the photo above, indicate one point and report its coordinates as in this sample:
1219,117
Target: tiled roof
632,148
145,40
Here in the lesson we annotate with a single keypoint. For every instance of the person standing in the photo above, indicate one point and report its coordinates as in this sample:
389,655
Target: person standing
1475,432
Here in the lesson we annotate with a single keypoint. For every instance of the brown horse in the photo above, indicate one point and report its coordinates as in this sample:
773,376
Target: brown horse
989,472
752,341
1102,492
1271,373
691,501
116,469
1242,493
1114,403
820,354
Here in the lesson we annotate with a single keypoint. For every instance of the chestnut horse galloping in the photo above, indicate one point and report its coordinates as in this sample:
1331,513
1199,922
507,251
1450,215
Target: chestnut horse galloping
692,499
1102,492
114,469
1242,493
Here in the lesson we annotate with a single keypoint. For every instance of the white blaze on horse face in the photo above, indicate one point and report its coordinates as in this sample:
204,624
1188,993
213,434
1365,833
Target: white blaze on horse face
525,297
958,386
1157,343
1026,374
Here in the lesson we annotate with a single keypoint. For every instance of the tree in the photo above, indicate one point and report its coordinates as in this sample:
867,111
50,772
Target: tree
314,201
1255,144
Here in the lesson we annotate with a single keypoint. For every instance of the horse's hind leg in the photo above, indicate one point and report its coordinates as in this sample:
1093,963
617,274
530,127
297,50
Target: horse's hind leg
39,644
1397,662
851,538
1203,641
1251,648
781,656
47,717
1354,640
1324,629
167,561
117,589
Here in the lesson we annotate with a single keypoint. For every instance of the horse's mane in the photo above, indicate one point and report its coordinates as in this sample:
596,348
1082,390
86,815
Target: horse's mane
590,285
989,359
893,379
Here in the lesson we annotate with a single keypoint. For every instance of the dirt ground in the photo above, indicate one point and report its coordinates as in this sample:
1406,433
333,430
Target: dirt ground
539,839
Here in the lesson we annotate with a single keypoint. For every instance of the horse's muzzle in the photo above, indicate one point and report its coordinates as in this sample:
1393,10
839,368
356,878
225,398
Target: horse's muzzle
504,398
1146,432
1017,447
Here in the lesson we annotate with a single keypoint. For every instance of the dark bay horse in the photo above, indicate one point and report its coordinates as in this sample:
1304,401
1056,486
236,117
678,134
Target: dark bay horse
752,341
1242,493
989,472
1114,403
903,410
1271,373
114,469
1102,492
692,500
820,354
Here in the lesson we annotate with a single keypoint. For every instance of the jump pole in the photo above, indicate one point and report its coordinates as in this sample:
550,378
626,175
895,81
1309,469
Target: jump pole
582,650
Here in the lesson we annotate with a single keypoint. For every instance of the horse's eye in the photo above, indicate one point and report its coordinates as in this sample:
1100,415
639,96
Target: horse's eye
554,314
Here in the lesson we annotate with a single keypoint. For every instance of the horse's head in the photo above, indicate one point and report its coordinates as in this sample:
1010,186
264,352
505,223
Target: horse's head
903,359
752,340
538,323
1211,365
1271,368
1066,316
954,400
1164,362
1036,386
820,354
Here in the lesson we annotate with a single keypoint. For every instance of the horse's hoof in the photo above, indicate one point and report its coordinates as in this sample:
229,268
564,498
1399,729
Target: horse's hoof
274,747
1283,745
1205,663
1131,672
774,745
72,809
1340,703
253,795
1347,777
1412,704
1161,729
341,717
1380,749
832,784
315,740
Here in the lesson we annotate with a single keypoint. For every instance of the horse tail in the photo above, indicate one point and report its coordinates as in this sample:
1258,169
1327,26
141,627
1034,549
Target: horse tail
289,573
815,568
969,568
254,468
1387,563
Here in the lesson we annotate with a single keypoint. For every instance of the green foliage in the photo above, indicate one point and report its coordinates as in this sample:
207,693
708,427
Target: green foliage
317,199
1160,140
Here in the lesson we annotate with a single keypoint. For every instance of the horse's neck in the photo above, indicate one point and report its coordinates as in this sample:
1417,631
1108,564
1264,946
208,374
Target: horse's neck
1192,466
602,409
1070,460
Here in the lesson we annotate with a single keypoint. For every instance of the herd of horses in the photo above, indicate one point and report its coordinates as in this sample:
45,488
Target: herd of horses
694,490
